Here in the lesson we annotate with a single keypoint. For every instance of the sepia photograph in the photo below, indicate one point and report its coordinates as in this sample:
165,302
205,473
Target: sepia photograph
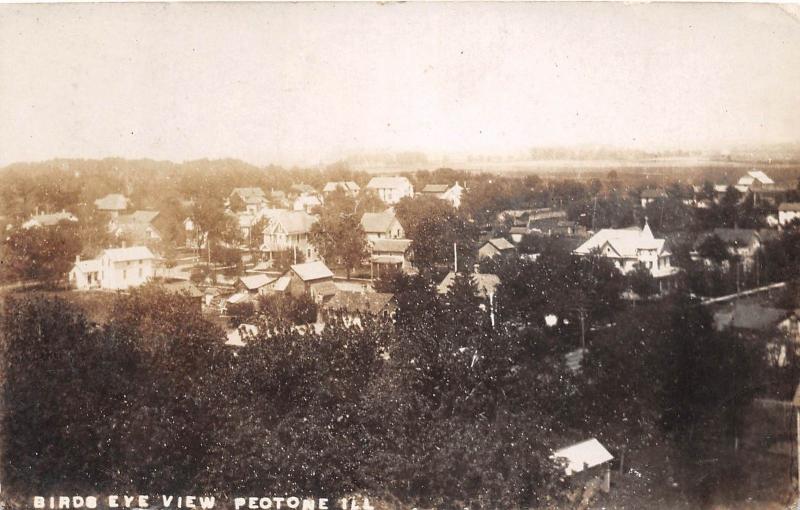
399,256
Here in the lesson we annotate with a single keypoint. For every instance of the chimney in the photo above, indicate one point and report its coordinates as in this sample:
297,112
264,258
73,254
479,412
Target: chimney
77,258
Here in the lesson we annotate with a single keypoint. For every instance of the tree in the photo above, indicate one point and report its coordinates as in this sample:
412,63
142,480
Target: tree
42,253
338,235
641,282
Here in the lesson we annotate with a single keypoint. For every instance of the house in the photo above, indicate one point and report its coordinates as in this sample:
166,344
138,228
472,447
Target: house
313,279
350,306
49,220
382,225
742,242
253,283
301,189
788,212
754,179
487,284
450,194
278,199
306,202
349,187
289,231
650,195
391,189
139,227
113,204
629,247
589,460
250,200
773,327
761,186
85,274
116,269
495,247
387,255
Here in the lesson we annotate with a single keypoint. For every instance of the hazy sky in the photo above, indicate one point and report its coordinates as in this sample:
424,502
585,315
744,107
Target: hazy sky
301,83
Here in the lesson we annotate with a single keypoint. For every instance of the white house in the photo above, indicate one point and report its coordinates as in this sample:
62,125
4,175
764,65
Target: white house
382,225
754,179
250,200
115,269
288,231
589,457
391,189
451,194
788,212
85,274
629,247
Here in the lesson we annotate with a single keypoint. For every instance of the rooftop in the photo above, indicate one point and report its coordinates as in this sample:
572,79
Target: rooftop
312,271
388,182
625,242
360,302
377,222
132,253
583,455
112,202
435,188
391,245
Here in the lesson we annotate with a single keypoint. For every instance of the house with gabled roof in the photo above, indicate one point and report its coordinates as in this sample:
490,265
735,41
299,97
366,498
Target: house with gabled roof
382,225
589,461
388,255
495,247
138,227
289,231
113,203
628,247
451,194
349,187
313,279
250,200
391,189
116,269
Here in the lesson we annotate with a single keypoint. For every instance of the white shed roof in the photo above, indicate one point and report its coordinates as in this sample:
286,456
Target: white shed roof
584,455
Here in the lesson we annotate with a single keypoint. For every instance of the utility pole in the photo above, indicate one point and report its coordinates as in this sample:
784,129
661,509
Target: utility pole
582,317
455,258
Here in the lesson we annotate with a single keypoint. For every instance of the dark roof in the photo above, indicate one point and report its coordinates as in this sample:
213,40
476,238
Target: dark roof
789,206
749,316
435,188
359,302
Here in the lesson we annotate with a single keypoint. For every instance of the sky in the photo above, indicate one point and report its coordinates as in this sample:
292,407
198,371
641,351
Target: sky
312,82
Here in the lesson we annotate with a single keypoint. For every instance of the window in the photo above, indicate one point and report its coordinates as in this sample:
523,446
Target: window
124,274
140,272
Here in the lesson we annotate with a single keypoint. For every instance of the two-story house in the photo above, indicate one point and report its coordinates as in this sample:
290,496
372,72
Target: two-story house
289,231
115,269
382,225
451,194
250,200
628,247
391,189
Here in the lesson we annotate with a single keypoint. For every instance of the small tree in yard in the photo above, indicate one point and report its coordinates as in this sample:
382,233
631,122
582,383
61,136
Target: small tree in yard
641,282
